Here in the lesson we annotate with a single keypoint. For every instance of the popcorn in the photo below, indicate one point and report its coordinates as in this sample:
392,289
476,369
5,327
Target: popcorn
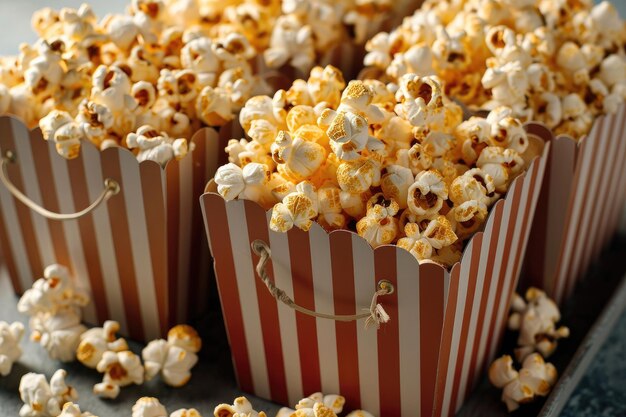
316,405
173,358
95,341
379,226
536,378
43,399
72,410
148,407
10,351
58,333
249,183
536,320
373,158
297,209
427,236
241,407
296,158
120,369
427,193
291,43
5,99
155,146
192,412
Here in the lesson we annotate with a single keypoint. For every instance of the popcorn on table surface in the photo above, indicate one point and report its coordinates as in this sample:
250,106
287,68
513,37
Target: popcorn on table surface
43,399
395,163
535,318
559,62
535,379
10,350
54,306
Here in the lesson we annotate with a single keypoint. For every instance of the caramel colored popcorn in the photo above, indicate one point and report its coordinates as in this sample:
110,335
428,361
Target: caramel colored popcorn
530,56
394,163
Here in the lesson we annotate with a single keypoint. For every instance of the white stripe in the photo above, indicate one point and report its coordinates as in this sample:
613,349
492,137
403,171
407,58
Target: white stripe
579,195
238,226
281,264
104,238
186,201
367,339
595,189
16,239
324,301
618,211
478,301
408,291
140,244
456,330
30,181
72,233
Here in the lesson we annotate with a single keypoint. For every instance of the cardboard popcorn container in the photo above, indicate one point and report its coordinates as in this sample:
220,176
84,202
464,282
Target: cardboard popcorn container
444,326
583,196
139,252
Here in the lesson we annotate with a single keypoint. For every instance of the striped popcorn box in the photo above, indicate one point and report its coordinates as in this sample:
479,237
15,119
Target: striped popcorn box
138,251
583,196
443,327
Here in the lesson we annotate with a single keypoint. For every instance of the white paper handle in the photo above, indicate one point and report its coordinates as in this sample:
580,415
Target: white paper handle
111,188
376,313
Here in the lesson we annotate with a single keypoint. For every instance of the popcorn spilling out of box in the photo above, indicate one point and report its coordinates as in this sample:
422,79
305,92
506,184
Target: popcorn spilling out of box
395,163
558,62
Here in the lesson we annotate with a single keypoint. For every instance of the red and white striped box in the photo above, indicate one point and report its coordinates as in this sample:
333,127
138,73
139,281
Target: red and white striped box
139,253
583,196
445,326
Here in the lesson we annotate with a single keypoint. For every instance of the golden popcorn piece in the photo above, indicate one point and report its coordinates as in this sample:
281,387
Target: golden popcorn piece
148,407
298,209
120,369
73,410
358,176
379,226
427,193
423,238
467,218
97,340
41,398
503,165
395,183
156,146
241,407
535,318
249,183
330,210
348,133
296,158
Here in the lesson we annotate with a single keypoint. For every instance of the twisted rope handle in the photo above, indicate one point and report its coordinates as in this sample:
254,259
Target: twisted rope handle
111,188
374,317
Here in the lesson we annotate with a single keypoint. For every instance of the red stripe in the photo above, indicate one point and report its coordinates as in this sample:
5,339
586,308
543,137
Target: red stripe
496,219
80,193
446,341
23,213
156,222
388,335
216,220
431,304
472,279
118,217
268,309
344,301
